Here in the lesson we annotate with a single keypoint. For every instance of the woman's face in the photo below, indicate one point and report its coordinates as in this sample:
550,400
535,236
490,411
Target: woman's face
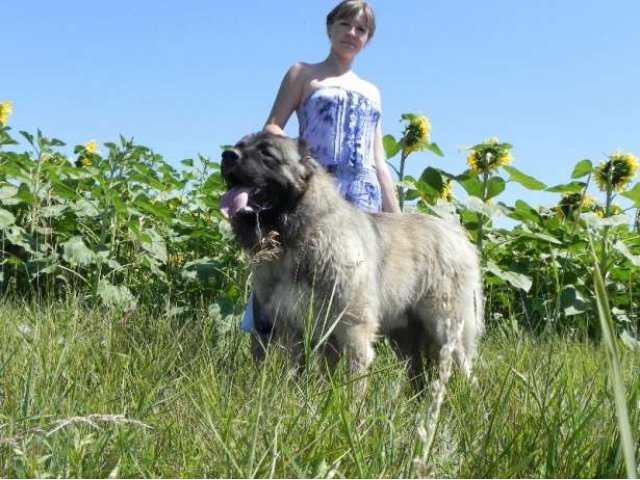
349,36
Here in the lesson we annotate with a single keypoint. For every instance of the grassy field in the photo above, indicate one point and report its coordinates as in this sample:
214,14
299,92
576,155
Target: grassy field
86,393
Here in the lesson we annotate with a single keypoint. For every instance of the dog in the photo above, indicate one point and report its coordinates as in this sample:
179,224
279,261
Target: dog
342,277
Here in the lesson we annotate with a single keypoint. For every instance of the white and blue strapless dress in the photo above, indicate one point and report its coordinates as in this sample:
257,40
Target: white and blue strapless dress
339,125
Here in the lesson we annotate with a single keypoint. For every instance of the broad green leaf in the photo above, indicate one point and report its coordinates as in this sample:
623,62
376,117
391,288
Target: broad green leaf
538,236
471,183
595,221
573,187
27,136
53,211
495,187
434,148
516,279
6,218
77,253
391,146
523,212
489,209
7,192
432,177
154,244
85,208
572,302
633,195
582,168
201,269
113,296
523,179
624,251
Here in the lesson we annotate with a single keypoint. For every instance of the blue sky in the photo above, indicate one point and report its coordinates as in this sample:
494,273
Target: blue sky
557,79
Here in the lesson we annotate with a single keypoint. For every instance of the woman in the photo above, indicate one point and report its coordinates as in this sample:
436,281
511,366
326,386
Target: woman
339,112
339,117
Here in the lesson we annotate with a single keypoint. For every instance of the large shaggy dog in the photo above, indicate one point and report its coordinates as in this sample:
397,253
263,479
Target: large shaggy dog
327,271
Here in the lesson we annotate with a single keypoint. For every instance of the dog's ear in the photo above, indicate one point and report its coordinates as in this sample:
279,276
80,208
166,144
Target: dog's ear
303,148
306,158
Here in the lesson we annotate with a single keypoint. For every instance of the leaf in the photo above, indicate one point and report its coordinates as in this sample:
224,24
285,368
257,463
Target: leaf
154,244
391,146
7,193
116,296
582,168
516,279
85,208
595,221
495,186
573,187
432,177
77,253
629,341
633,195
471,183
524,213
6,218
538,236
572,302
523,179
434,148
624,251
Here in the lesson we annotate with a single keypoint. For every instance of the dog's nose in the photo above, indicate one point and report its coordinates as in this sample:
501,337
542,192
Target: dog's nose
230,155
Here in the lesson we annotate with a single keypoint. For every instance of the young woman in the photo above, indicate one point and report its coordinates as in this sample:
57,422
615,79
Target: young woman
339,117
339,112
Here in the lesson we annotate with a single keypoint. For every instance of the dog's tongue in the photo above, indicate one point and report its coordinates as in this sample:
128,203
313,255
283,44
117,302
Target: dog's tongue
234,201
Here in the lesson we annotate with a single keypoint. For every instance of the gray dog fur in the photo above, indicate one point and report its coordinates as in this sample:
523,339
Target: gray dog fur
326,269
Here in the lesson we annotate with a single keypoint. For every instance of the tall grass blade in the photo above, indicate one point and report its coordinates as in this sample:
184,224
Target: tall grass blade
606,325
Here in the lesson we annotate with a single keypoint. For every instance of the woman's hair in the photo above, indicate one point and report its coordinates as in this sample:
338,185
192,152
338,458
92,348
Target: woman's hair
348,9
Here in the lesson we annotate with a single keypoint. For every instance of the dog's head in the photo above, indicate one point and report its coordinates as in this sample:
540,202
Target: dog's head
266,175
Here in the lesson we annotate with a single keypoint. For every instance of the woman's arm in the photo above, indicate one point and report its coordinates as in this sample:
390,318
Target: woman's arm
387,188
287,99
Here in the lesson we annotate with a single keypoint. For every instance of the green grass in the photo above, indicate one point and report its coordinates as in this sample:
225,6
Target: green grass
87,393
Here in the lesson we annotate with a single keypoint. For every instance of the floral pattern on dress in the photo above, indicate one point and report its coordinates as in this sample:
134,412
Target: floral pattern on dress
339,125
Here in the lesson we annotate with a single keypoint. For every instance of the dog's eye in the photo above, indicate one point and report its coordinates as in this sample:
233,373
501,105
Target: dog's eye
268,154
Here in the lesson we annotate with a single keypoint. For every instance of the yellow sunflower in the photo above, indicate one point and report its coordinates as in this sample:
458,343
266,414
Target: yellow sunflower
91,146
5,112
446,193
489,156
573,202
416,133
619,169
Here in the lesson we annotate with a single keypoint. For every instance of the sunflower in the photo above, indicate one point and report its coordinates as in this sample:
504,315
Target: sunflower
83,161
488,156
573,202
5,111
619,169
91,146
446,193
416,133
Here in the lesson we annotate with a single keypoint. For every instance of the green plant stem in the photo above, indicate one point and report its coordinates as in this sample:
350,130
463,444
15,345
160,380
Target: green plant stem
481,219
401,190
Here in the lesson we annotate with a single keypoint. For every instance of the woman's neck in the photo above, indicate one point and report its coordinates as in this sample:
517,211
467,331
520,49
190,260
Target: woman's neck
338,65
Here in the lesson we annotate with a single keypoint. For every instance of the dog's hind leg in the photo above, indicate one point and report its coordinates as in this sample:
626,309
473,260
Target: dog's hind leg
408,343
